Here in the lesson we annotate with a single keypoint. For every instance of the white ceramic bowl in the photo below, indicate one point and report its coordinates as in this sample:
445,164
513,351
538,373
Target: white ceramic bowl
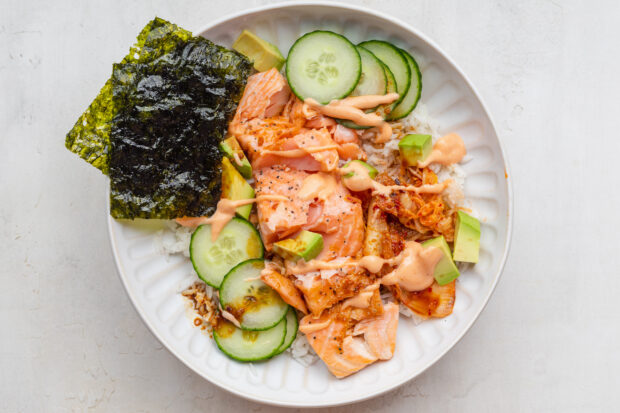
154,282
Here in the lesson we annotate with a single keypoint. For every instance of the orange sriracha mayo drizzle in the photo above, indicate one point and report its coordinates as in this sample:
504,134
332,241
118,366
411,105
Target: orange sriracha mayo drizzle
237,159
352,108
361,181
224,212
413,268
447,150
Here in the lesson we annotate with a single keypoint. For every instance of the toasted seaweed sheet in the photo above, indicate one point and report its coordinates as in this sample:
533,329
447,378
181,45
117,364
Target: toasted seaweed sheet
156,124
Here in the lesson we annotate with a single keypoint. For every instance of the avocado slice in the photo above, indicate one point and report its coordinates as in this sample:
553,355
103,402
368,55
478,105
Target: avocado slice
307,245
372,171
263,54
230,147
445,271
235,187
415,148
466,238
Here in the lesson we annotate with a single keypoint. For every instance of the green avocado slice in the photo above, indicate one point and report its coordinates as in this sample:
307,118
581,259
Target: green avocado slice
264,54
235,187
230,147
307,245
445,271
415,148
466,238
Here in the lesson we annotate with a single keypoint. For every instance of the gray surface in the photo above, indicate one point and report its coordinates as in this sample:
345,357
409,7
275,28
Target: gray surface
548,339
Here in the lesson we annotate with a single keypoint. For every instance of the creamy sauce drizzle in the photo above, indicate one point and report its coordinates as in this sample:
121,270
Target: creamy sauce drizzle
298,153
361,181
224,212
351,108
447,150
319,185
413,269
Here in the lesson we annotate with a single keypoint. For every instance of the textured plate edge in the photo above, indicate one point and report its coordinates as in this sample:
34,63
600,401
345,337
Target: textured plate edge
497,275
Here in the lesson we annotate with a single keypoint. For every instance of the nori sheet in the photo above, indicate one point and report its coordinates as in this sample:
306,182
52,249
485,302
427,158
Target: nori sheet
156,124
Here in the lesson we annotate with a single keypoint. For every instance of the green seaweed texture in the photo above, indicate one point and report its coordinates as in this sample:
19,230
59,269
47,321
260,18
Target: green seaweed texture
156,124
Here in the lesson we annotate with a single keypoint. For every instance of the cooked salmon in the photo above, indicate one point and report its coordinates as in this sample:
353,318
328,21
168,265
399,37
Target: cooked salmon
265,95
346,348
323,289
275,152
283,286
349,146
279,219
380,332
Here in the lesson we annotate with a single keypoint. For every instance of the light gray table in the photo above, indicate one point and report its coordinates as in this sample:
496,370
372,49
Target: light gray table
547,341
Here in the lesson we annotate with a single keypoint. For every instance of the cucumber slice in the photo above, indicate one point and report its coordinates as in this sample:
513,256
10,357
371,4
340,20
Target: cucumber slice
323,65
238,241
291,330
412,97
373,80
246,345
395,60
253,303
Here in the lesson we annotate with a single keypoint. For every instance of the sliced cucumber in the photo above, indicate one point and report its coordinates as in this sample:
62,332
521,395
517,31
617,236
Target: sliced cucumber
412,97
395,60
323,65
253,303
237,242
291,330
246,345
373,80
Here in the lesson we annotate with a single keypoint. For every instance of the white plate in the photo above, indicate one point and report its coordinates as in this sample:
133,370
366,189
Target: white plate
154,282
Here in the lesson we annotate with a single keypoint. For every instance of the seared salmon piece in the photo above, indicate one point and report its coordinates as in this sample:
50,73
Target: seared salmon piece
346,348
283,286
279,219
349,146
343,355
380,332
323,289
265,95
341,221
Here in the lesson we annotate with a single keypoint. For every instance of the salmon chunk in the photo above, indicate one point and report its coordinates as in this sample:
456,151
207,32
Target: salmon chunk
323,289
380,332
283,286
265,95
346,348
279,219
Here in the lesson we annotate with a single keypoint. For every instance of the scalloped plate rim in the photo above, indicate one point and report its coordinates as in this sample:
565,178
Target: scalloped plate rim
509,225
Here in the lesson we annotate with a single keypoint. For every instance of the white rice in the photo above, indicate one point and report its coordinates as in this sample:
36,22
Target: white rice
174,239
302,351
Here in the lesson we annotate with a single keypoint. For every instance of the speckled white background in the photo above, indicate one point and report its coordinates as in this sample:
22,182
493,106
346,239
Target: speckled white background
548,340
